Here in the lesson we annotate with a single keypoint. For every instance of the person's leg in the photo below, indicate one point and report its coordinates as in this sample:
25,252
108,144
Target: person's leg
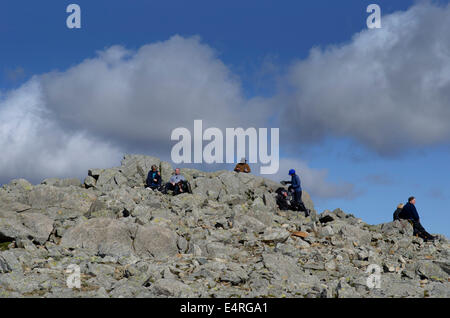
295,196
177,188
420,230
169,186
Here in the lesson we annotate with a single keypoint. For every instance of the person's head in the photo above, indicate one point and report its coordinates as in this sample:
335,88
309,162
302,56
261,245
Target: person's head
177,171
243,160
154,168
400,206
412,200
291,172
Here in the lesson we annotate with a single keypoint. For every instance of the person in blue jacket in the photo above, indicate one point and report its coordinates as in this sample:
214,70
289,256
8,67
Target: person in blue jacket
154,178
295,186
409,212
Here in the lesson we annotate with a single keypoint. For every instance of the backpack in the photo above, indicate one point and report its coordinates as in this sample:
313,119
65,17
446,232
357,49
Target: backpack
280,191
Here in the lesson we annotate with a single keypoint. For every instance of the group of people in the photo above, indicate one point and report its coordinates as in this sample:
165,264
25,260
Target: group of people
290,199
177,182
408,212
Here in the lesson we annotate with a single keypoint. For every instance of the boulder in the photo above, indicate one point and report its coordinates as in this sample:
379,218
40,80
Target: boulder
155,241
102,236
171,288
25,225
62,182
40,226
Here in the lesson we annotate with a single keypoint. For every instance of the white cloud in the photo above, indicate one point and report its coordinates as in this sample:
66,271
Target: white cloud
139,97
35,147
388,88
63,123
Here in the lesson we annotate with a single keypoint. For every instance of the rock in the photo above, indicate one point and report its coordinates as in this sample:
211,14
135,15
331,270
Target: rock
430,270
171,288
9,262
21,185
156,242
344,290
326,231
90,182
275,235
25,225
227,239
40,225
102,236
326,217
247,223
62,182
397,227
107,179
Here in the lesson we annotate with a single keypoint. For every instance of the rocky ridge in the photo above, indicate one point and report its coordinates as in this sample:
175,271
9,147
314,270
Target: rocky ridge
227,239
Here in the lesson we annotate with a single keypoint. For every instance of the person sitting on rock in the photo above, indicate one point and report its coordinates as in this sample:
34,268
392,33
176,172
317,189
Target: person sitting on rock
177,183
397,212
154,178
409,212
243,166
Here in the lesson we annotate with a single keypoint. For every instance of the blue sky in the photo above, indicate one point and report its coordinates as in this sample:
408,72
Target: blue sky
259,43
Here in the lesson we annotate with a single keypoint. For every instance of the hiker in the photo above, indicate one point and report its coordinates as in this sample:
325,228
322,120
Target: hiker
243,166
282,199
178,183
409,212
154,178
285,202
295,187
397,212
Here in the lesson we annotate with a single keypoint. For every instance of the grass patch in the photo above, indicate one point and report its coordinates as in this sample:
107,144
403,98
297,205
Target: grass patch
4,246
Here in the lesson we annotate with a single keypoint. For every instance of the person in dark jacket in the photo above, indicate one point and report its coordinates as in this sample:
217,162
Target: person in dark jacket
409,212
282,199
398,211
154,178
295,187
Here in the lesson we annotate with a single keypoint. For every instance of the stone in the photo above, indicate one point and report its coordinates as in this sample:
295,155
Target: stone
326,231
90,182
103,236
275,235
40,225
155,241
171,288
432,271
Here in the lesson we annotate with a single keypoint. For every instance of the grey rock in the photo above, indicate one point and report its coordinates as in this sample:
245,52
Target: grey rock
171,288
155,241
227,239
430,270
101,236
275,235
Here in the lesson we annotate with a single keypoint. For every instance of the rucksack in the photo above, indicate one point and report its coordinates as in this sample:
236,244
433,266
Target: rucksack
281,191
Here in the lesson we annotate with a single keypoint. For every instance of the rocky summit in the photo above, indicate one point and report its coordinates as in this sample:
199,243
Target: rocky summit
226,239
